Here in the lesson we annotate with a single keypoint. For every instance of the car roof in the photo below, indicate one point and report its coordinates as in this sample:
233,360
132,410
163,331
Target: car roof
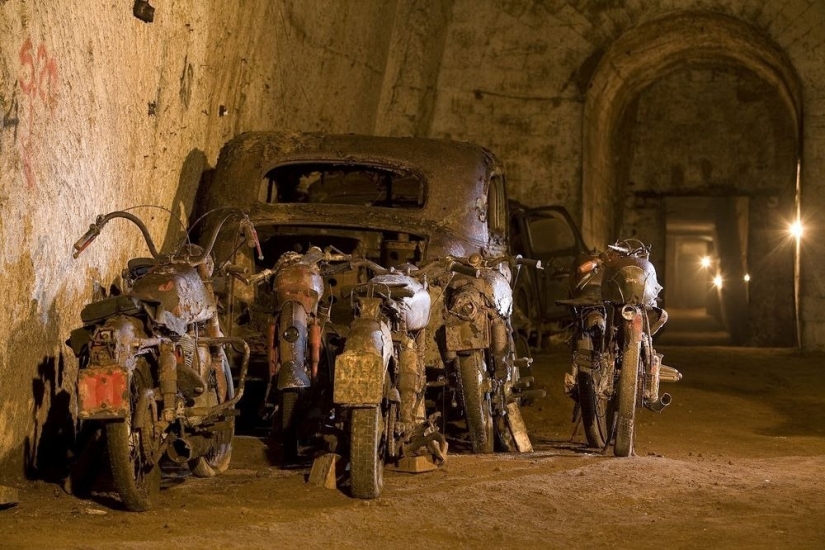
456,176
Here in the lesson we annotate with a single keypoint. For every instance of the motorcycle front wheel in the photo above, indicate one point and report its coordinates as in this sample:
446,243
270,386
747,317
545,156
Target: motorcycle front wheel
217,459
472,375
366,452
628,388
136,475
290,401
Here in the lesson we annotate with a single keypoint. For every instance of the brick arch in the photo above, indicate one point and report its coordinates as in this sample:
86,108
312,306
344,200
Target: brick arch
646,53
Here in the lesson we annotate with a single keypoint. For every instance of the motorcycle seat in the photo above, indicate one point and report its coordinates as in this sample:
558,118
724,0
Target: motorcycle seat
114,305
590,296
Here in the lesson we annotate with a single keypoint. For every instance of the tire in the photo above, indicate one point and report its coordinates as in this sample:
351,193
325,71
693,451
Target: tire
596,396
366,452
290,399
217,460
628,388
597,410
136,476
472,374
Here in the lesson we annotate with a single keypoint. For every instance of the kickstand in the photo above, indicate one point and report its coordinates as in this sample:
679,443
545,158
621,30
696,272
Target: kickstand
610,438
577,418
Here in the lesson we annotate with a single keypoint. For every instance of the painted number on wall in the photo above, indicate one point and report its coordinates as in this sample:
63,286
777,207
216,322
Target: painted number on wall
38,82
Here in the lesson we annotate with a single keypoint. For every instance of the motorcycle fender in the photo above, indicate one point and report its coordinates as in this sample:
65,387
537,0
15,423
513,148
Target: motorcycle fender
292,375
103,392
464,335
361,370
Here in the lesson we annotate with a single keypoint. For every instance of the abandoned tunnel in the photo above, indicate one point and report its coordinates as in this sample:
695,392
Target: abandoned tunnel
695,126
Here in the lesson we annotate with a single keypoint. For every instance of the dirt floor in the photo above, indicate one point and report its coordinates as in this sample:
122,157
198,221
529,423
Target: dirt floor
737,461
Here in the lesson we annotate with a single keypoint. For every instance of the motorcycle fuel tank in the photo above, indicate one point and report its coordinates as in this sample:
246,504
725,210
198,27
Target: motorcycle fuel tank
412,297
175,296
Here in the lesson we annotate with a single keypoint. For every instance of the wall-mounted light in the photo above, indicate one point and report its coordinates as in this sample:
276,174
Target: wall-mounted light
705,262
747,278
717,281
796,230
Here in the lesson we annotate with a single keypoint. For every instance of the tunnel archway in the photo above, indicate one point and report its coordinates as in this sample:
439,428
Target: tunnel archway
613,202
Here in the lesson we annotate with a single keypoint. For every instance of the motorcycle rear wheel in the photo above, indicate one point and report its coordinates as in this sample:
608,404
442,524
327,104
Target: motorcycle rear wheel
366,452
596,395
136,476
628,388
472,374
217,460
597,410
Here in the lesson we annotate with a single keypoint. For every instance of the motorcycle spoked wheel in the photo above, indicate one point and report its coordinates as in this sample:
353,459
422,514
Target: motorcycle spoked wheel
472,375
628,390
136,476
217,459
597,401
367,449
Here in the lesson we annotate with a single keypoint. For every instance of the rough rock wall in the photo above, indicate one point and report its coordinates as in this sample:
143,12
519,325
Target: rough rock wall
101,111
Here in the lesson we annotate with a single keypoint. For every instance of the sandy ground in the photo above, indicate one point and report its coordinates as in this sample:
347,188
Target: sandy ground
738,461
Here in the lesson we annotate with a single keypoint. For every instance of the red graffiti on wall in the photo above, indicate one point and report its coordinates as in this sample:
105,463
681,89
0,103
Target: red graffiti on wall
38,81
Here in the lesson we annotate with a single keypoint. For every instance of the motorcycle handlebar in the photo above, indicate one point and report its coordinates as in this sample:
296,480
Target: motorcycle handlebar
95,228
251,237
528,262
473,265
457,267
258,277
84,241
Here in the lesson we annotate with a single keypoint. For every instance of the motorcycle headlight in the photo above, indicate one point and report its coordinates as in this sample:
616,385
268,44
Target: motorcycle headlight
290,334
464,307
467,309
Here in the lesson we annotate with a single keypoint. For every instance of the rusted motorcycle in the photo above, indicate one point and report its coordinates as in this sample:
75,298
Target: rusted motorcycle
153,367
478,349
380,379
615,368
295,340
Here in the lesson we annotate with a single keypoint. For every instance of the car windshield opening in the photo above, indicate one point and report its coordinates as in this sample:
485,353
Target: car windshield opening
550,233
332,183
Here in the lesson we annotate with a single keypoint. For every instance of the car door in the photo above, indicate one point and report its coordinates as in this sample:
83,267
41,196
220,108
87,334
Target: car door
550,235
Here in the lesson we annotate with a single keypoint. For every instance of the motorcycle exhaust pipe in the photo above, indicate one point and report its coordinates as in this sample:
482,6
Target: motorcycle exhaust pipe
182,450
658,406
669,374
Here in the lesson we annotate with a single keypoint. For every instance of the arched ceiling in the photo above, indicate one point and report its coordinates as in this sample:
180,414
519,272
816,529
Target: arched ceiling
646,53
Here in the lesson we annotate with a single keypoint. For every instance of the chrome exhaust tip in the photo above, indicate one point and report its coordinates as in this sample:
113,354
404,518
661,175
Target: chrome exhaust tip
658,406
